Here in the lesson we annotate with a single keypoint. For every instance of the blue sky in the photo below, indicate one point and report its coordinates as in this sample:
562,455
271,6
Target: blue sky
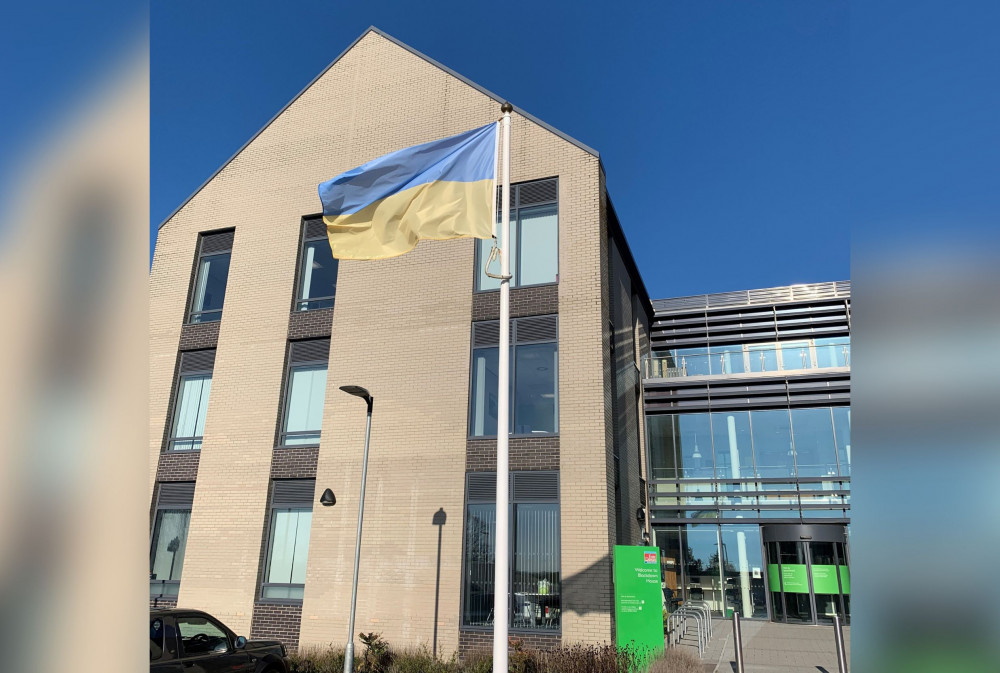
725,128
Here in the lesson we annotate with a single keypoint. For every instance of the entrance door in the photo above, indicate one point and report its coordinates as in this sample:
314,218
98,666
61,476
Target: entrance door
808,575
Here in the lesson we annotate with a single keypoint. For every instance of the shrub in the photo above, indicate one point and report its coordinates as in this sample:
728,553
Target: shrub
676,660
380,658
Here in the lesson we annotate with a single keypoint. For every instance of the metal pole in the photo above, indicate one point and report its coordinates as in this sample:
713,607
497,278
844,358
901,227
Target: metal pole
738,642
500,582
838,638
349,651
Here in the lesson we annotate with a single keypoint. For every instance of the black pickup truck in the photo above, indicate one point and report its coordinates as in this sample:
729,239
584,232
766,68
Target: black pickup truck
189,641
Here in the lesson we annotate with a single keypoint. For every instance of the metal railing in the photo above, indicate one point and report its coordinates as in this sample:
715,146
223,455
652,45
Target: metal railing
678,625
752,360
767,295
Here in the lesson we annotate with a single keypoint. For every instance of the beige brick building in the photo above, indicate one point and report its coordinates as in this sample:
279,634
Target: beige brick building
243,439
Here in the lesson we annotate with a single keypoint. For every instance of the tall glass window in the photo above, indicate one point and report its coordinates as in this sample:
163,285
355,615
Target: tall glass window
534,384
317,273
304,409
188,427
288,550
535,578
772,443
534,245
210,288
166,558
815,451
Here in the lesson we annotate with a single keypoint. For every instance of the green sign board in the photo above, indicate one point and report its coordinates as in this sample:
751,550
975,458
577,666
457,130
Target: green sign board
794,579
824,577
638,598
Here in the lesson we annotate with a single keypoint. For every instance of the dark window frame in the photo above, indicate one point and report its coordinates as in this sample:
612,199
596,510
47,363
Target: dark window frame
515,220
172,438
304,238
513,376
190,313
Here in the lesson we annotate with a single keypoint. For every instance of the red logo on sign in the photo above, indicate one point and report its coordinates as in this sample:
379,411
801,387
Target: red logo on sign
649,557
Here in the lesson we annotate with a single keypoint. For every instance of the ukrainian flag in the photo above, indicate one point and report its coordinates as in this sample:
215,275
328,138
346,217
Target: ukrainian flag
439,190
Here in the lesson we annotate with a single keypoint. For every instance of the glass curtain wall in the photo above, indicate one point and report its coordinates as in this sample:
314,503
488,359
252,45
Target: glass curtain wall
719,566
771,443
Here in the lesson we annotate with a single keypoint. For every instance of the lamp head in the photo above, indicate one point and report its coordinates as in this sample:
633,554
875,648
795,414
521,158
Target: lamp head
328,499
358,391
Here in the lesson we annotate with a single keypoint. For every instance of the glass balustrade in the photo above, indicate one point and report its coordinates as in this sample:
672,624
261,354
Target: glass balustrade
749,358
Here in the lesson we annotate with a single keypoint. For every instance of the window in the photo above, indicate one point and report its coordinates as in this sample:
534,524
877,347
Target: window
534,237
305,392
317,283
201,635
535,585
191,400
288,541
211,277
534,385
170,528
810,442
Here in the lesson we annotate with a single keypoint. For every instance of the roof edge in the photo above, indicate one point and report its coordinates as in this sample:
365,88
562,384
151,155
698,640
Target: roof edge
381,33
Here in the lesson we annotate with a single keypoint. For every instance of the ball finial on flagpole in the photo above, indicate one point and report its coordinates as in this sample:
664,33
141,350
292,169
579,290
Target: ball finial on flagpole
506,107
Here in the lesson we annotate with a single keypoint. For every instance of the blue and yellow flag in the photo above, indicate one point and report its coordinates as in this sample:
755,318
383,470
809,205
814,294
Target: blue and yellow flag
439,190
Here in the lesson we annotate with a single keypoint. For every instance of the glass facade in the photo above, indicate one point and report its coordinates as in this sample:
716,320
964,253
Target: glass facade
720,566
767,443
805,354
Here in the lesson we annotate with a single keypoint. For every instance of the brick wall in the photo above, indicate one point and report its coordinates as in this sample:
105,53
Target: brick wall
524,453
294,463
310,324
178,466
538,300
198,336
482,641
272,621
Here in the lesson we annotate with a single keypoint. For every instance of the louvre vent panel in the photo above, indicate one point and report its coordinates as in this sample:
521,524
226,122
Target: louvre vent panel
537,192
485,334
482,487
175,494
313,350
536,486
215,243
293,492
197,361
537,328
315,228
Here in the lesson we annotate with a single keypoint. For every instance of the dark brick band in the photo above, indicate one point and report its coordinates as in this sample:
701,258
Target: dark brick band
525,453
482,641
297,463
538,300
310,324
199,335
178,466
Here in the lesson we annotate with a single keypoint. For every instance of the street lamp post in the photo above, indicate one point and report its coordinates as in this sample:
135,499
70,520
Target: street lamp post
358,391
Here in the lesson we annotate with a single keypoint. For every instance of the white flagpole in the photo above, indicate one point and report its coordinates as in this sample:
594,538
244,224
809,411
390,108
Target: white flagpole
501,598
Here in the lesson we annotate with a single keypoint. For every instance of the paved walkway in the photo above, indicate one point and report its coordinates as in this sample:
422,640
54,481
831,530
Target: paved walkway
767,647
